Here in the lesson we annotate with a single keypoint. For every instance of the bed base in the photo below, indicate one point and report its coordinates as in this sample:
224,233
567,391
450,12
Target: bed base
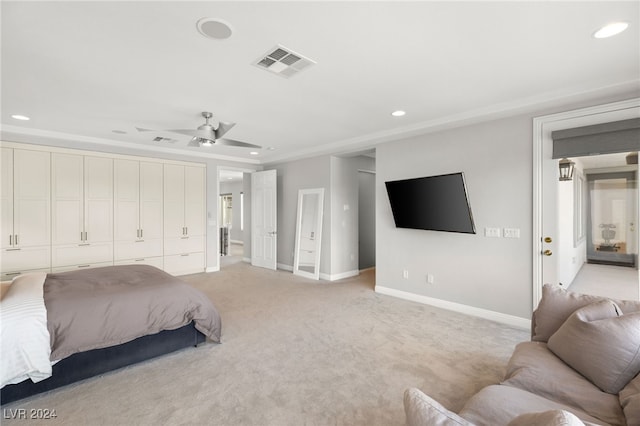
88,364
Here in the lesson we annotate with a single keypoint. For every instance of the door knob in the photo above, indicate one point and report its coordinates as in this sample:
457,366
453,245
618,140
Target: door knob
547,253
547,239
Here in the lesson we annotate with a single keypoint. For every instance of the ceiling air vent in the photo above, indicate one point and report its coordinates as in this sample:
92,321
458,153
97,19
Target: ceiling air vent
282,61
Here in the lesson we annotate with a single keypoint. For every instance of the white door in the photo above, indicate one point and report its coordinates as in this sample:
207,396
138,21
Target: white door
126,196
151,201
6,198
67,194
194,201
98,213
546,175
264,228
174,201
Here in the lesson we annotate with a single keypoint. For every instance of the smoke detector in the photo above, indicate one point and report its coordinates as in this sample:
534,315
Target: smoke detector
283,61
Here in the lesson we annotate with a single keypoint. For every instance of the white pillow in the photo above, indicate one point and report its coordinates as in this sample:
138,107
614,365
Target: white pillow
26,346
547,418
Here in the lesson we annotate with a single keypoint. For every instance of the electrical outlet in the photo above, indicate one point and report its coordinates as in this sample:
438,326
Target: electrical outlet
429,278
405,274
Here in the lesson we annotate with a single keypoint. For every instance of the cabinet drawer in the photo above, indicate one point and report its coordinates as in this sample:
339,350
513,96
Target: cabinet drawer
184,264
183,245
28,258
158,262
8,276
124,250
80,254
82,266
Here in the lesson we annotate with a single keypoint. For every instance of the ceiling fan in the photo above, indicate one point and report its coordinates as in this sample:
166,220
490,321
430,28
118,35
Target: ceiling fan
208,135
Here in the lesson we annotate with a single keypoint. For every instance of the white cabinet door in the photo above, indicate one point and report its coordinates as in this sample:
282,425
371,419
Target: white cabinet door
173,201
6,198
194,196
151,201
98,212
67,192
126,196
31,198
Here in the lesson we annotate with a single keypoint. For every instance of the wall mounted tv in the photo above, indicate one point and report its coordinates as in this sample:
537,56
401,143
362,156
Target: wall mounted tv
435,203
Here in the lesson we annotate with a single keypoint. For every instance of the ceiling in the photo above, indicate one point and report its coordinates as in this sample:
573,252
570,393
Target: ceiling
82,70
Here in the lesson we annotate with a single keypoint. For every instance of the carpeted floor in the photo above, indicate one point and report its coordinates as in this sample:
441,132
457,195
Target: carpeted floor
296,352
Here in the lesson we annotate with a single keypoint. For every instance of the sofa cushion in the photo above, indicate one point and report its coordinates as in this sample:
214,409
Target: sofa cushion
547,418
534,368
557,304
599,344
497,405
422,410
630,401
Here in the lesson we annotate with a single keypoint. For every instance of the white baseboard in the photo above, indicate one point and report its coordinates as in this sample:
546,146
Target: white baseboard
367,269
340,276
324,276
212,269
246,259
511,320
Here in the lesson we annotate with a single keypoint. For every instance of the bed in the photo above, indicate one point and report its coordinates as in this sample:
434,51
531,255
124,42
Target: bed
57,329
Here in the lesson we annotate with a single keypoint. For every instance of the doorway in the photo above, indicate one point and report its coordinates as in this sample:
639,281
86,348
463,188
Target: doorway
545,186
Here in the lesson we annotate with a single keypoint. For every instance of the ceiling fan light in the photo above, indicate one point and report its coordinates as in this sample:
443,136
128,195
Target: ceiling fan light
206,142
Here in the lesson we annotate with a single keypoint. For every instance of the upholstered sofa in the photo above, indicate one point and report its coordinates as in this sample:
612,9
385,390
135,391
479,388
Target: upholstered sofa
580,368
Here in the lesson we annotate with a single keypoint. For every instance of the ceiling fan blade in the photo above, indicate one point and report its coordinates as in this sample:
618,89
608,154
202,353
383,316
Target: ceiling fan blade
223,127
140,129
194,142
231,142
188,132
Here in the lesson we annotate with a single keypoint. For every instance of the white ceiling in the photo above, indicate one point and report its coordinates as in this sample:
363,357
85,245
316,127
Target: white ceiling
83,69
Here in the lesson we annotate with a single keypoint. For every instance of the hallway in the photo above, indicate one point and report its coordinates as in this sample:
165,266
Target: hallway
616,282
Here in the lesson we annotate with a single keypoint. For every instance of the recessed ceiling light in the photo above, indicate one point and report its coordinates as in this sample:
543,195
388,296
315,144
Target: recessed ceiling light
270,148
398,113
610,30
254,153
120,132
20,117
214,28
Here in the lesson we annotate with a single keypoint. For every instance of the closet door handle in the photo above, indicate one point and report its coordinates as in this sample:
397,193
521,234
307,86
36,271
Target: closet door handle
141,234
10,239
15,238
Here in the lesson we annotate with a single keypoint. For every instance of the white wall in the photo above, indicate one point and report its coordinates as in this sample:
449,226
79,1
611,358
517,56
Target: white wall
571,256
474,270
292,176
367,219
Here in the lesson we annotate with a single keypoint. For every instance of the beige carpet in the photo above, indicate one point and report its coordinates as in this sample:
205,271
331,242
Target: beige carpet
296,352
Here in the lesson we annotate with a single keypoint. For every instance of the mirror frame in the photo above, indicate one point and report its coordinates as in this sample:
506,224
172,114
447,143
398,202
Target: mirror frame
317,233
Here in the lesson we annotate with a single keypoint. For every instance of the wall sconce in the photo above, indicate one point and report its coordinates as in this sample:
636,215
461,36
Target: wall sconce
566,169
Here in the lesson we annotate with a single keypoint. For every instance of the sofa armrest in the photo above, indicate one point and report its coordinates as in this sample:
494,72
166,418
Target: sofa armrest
422,410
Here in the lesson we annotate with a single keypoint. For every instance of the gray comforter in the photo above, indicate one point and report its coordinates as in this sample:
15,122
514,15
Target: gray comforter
101,307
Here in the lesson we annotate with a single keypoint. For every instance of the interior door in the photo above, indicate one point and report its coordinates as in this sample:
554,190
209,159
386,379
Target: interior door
264,237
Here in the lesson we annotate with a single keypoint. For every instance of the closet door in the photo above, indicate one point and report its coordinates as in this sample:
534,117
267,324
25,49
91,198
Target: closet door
174,201
194,200
151,217
67,186
98,199
31,198
126,200
6,198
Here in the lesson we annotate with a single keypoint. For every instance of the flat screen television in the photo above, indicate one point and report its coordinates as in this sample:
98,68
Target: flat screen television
435,203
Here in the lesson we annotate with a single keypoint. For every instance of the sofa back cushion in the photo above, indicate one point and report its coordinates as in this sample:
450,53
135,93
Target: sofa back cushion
630,401
534,368
601,344
557,304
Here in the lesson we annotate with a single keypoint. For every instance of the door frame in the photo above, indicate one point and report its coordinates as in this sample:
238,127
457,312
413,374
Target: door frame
542,127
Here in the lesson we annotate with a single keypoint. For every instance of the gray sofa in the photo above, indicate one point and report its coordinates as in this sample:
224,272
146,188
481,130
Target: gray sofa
580,368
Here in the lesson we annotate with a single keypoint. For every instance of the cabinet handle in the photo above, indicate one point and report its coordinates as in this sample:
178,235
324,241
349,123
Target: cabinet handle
15,238
183,255
141,234
10,240
14,249
83,266
10,274
86,235
184,238
139,260
84,245
186,230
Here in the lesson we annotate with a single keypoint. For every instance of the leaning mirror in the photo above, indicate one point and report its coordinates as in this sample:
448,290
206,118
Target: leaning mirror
308,233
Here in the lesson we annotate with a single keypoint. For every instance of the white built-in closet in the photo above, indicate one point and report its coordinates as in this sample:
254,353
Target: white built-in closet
66,209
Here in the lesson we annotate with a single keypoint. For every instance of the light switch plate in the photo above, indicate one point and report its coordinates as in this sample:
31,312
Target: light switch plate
512,232
492,232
